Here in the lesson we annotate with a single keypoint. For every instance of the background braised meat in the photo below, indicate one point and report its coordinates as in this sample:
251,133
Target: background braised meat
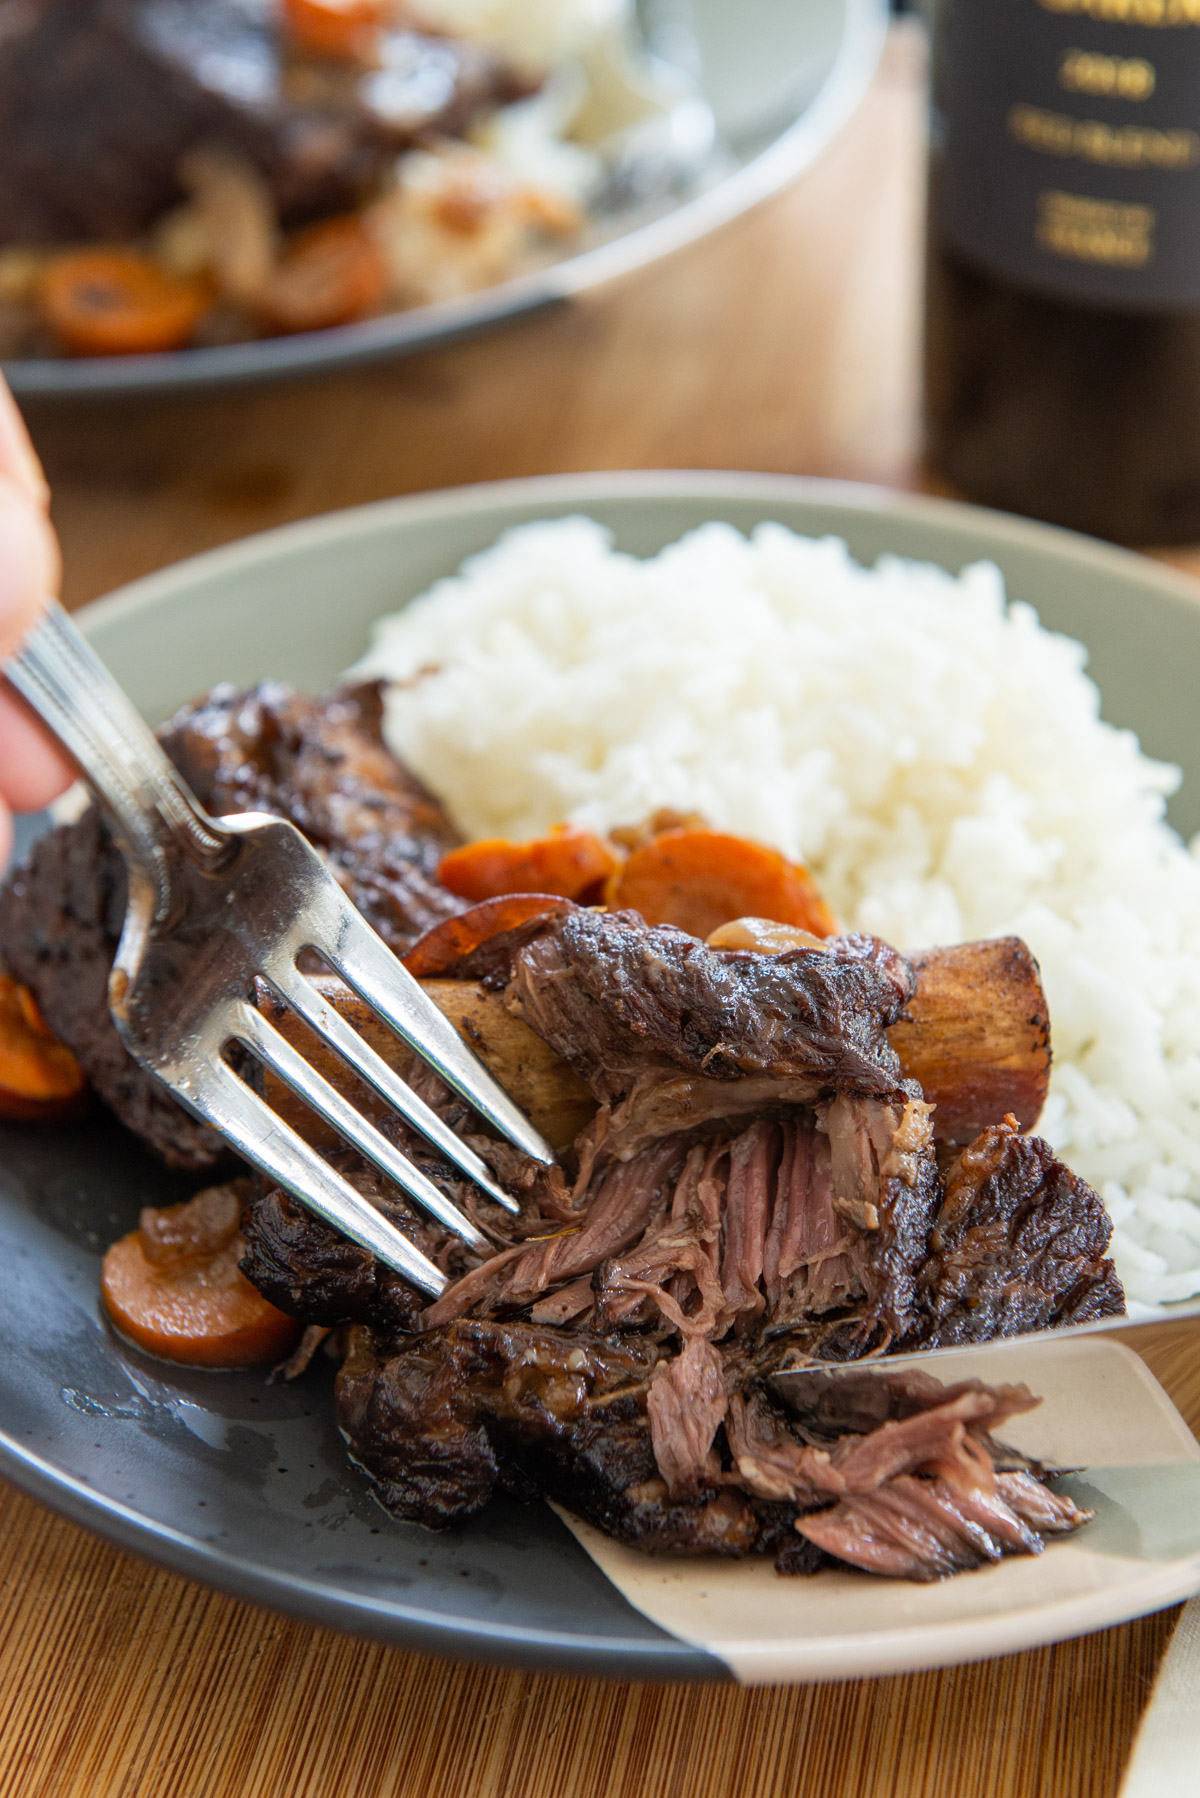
320,763
99,100
1018,1244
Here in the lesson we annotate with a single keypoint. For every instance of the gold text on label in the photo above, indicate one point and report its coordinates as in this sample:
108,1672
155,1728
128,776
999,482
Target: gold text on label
1129,12
1102,231
1115,77
1090,140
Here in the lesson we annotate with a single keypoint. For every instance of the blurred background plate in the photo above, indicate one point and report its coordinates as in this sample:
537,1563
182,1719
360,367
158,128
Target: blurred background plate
782,77
245,1484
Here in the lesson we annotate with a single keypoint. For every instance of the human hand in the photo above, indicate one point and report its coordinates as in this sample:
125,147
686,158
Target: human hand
33,770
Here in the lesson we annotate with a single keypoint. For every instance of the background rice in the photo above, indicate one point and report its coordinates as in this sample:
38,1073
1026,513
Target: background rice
933,754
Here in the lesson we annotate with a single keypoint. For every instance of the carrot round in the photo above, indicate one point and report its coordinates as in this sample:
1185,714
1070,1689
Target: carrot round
342,29
330,274
117,303
451,941
700,879
40,1080
174,1288
567,861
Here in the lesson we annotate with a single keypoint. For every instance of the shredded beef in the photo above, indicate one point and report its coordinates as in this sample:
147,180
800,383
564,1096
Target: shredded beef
686,1405
615,1352
443,1419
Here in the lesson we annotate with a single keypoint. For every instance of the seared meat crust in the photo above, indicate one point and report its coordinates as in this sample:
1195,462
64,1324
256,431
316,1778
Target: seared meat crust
310,1270
1018,1244
60,922
611,992
320,763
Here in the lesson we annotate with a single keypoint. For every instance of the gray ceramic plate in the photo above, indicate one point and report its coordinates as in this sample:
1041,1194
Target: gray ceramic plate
782,76
243,1484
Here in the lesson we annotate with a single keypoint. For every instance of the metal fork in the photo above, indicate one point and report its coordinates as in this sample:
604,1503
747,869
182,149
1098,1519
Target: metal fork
218,903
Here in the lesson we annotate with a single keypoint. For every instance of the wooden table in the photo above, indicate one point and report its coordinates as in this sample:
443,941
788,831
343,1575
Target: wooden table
786,343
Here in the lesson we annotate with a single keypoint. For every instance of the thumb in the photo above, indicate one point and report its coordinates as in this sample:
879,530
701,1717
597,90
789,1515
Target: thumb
29,567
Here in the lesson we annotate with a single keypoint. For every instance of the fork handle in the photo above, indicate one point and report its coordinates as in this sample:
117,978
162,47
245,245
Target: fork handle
58,673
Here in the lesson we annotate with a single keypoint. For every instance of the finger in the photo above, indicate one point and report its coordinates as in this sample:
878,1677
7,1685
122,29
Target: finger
29,567
18,459
33,769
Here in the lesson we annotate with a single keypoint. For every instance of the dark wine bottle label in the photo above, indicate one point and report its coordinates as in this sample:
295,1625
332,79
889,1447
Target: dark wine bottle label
1066,146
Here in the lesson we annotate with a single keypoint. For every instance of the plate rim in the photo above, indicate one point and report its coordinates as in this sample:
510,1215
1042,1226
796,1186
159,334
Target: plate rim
639,1658
958,518
315,1602
864,30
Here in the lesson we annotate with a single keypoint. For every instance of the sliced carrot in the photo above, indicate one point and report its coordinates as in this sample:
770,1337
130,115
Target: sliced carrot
329,274
700,879
568,861
40,1080
173,1287
117,303
343,29
451,941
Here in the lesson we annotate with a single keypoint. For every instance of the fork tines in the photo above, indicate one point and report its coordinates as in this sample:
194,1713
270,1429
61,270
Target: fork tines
363,960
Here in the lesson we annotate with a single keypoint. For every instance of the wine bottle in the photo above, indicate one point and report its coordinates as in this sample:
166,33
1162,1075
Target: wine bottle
1062,344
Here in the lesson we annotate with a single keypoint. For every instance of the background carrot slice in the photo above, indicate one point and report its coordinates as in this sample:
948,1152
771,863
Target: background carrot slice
117,303
567,861
40,1080
330,274
173,1287
343,29
700,879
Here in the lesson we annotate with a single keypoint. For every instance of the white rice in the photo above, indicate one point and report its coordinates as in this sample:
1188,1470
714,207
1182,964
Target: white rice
934,756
